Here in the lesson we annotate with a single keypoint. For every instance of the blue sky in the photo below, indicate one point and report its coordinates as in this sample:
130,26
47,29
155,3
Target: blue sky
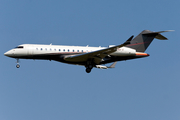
141,89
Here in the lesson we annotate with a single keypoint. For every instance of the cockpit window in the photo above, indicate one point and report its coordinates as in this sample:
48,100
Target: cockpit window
19,47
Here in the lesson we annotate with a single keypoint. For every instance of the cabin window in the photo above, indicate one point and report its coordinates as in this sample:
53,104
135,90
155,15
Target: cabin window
50,49
77,50
82,50
64,50
46,49
41,49
59,49
68,50
54,49
73,50
36,48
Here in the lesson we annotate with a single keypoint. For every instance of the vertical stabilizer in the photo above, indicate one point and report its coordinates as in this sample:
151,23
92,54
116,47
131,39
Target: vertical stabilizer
141,42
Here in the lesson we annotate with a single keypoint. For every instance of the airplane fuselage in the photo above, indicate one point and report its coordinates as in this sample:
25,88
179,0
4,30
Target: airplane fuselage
58,52
88,56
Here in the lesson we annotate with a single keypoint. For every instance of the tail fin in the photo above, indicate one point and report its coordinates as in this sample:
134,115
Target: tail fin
141,42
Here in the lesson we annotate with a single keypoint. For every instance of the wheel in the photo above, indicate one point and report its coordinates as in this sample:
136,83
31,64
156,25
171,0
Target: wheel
17,65
88,70
90,66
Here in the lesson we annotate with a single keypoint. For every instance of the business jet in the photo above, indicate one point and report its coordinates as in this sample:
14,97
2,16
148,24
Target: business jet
88,56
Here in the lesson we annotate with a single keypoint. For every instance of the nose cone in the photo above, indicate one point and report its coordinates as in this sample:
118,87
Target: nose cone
8,54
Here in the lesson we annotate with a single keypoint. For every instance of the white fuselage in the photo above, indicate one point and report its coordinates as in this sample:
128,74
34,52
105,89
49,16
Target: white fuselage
60,53
34,49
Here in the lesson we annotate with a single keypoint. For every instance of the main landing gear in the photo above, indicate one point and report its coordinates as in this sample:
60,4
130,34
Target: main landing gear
17,66
89,68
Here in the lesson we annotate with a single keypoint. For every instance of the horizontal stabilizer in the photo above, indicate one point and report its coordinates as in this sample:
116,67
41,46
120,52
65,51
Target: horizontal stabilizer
159,36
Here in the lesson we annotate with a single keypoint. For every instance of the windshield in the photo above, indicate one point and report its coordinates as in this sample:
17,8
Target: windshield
19,47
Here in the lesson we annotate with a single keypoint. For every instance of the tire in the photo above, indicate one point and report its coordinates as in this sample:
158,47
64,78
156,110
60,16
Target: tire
17,65
88,70
90,66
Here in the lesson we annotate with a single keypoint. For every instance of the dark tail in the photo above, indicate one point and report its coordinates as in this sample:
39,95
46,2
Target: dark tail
141,42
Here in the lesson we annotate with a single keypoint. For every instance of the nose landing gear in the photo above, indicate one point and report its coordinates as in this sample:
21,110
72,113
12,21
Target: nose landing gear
17,66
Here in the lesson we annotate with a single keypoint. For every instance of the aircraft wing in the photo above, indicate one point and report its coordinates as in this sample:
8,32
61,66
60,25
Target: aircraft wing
96,55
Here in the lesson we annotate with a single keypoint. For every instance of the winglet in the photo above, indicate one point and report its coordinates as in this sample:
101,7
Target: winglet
113,65
128,41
